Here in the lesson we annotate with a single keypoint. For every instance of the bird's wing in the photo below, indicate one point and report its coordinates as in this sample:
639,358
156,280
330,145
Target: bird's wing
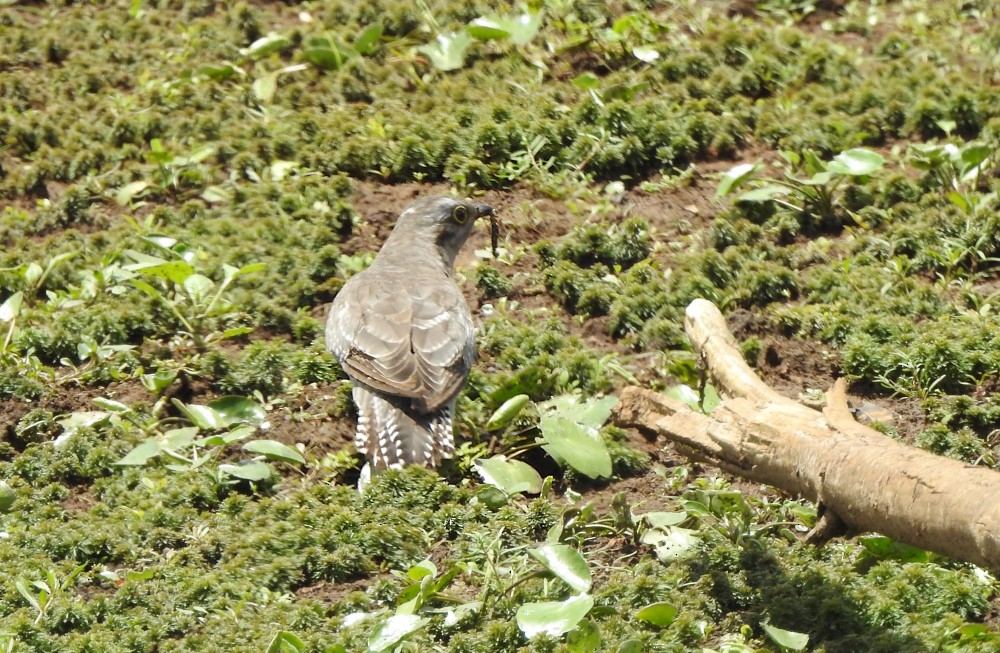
408,337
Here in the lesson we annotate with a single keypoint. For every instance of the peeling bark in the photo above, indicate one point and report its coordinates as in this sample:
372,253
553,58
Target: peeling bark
864,480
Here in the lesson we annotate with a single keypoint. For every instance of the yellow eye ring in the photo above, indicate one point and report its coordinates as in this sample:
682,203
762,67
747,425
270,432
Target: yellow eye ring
460,213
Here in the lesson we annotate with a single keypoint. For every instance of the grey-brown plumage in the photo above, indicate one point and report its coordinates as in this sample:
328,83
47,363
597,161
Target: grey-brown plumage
404,335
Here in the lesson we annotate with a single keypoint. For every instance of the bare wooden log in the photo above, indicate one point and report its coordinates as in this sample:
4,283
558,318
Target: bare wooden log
868,481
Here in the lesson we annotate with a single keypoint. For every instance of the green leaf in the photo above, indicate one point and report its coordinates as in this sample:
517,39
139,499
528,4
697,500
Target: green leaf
142,453
492,497
507,412
174,271
648,55
198,286
786,638
586,81
158,382
233,409
553,618
511,476
285,642
736,177
856,162
10,308
29,596
889,549
367,41
175,439
110,405
265,46
393,630
265,86
566,563
590,412
127,192
664,520
487,29
7,497
585,638
201,416
672,544
275,451
218,73
447,52
216,195
763,194
423,568
630,646
581,447
657,614
253,470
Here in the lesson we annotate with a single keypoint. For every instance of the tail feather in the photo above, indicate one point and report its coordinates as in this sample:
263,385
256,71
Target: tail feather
393,438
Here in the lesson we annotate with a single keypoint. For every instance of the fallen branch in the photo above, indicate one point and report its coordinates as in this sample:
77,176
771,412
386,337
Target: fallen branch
861,479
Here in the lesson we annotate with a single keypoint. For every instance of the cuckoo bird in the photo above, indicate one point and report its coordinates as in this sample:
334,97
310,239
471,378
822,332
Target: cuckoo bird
404,335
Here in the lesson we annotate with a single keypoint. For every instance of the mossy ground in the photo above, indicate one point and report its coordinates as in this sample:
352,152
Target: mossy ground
156,129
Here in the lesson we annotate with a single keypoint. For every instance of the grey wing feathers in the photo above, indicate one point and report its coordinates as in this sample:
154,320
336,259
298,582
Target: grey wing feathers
416,342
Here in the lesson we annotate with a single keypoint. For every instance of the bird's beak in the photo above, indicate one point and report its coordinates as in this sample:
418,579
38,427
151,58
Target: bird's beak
483,209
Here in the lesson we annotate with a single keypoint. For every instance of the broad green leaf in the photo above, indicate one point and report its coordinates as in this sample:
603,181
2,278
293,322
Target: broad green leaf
110,405
29,596
580,446
198,286
630,646
566,563
127,192
511,476
142,453
507,412
786,638
233,409
889,549
553,618
492,497
174,271
265,86
664,520
146,574
684,394
393,630
423,568
218,73
78,420
586,81
585,638
856,162
367,41
523,28
763,194
487,29
265,46
657,614
158,382
649,55
255,470
447,52
275,451
588,412
179,438
7,497
673,544
216,195
10,308
285,642
203,417
736,177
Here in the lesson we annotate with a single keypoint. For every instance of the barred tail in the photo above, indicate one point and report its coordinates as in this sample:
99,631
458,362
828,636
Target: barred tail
393,438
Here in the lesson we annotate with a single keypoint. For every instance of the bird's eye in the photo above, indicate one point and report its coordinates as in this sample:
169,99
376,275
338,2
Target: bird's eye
460,213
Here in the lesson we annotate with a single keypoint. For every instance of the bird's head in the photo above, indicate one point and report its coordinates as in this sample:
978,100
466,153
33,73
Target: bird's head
446,221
